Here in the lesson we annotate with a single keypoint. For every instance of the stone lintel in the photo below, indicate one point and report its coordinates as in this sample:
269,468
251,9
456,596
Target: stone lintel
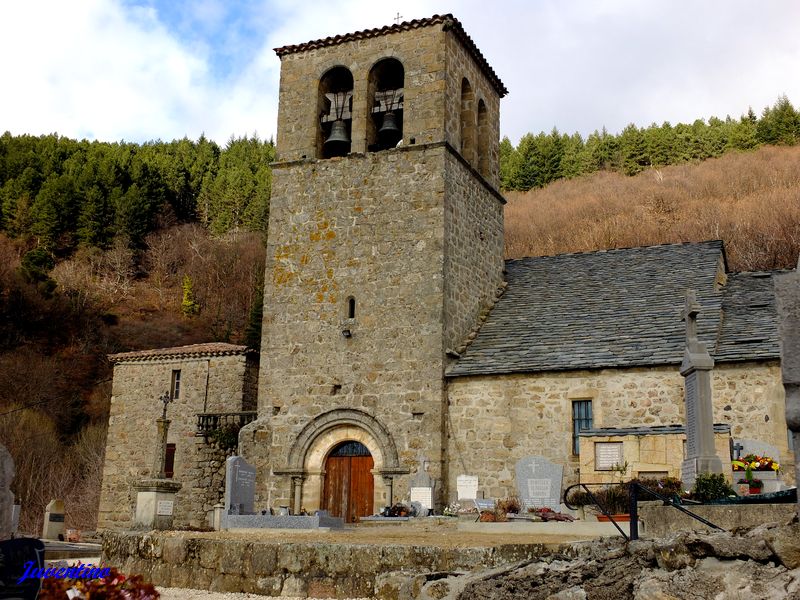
157,485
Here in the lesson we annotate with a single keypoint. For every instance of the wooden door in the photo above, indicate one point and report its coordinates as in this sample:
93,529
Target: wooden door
349,486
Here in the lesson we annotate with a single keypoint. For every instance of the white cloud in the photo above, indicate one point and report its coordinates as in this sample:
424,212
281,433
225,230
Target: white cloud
107,70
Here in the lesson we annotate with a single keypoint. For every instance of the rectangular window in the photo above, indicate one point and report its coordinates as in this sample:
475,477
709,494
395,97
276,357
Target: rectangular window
176,384
581,421
169,462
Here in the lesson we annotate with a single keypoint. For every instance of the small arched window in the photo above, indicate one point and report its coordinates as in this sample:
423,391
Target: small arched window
385,118
467,121
483,139
335,113
351,308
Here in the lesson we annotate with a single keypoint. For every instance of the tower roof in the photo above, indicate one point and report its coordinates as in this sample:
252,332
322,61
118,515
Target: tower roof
448,23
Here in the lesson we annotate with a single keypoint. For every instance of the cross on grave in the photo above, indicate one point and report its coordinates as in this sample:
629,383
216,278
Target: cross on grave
737,450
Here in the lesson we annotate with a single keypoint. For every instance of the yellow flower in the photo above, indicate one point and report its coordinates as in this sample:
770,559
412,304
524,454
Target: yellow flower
775,466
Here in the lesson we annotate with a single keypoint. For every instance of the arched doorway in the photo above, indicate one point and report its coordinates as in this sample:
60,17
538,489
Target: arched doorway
348,491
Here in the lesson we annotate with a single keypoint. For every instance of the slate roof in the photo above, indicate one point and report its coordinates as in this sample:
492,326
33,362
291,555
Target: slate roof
749,327
448,22
620,308
191,351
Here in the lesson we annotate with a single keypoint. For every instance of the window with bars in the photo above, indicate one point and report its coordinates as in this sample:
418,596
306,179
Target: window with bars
581,421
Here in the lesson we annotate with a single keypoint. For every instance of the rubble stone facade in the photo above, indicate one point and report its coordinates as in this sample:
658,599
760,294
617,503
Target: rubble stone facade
212,380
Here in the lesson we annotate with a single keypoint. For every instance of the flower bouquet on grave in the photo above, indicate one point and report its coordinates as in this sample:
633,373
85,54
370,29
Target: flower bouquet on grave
755,463
754,485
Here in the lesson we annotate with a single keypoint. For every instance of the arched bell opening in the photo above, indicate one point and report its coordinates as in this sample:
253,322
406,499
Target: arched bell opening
483,139
385,106
335,110
467,123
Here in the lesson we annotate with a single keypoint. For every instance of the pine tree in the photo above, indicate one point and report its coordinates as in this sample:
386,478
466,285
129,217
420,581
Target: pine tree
189,307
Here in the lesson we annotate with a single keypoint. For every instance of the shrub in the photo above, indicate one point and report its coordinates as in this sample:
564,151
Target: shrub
711,486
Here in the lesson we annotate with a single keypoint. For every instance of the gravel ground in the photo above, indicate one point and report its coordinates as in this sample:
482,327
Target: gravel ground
184,594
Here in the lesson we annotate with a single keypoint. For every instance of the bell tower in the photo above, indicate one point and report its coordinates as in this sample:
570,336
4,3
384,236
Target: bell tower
385,244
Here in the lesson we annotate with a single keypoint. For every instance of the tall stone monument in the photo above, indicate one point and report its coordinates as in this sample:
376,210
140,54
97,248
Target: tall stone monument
6,497
701,455
155,497
787,294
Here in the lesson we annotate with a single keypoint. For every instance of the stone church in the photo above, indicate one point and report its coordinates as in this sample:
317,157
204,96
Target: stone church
395,333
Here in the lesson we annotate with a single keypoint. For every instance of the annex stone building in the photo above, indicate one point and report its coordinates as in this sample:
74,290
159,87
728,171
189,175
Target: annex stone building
395,334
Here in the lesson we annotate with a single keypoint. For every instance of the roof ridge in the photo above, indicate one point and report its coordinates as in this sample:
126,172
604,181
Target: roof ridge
201,349
449,22
611,250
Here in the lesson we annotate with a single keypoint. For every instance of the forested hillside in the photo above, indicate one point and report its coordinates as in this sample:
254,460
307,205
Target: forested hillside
101,246
538,160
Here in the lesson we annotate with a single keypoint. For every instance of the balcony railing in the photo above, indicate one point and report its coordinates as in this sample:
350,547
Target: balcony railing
207,423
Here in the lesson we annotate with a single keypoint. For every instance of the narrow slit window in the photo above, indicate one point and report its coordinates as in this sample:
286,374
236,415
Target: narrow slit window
176,384
351,308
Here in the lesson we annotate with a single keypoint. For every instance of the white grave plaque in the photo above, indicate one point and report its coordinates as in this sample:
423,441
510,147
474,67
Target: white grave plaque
423,495
539,488
467,486
607,455
164,508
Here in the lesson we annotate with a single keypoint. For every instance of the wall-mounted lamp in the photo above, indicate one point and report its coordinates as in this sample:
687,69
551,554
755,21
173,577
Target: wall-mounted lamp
347,333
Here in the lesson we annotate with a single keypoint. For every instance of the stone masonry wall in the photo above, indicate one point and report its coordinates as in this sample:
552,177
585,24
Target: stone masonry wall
369,227
460,65
496,420
213,384
473,250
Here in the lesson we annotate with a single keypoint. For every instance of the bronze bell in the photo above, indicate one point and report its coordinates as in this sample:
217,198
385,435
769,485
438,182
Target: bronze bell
389,133
338,143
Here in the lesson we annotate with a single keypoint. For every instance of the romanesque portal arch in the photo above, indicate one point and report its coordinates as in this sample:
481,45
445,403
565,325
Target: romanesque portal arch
309,463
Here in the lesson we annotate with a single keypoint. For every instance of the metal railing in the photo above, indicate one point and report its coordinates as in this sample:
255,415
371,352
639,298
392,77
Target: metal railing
634,488
210,422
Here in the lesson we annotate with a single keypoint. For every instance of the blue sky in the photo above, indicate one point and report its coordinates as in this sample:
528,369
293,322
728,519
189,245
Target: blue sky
163,69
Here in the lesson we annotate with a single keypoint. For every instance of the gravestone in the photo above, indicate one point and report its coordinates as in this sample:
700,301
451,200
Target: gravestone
422,485
701,454
6,497
53,528
240,486
539,482
467,486
787,296
759,448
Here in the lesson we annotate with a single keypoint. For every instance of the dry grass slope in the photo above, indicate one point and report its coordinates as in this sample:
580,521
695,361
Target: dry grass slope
749,200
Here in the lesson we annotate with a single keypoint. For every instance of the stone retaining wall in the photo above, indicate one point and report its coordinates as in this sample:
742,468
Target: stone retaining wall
660,521
270,568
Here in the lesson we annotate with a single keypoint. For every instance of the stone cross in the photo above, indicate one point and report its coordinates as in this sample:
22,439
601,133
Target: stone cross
162,425
787,296
701,455
6,497
397,18
690,312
